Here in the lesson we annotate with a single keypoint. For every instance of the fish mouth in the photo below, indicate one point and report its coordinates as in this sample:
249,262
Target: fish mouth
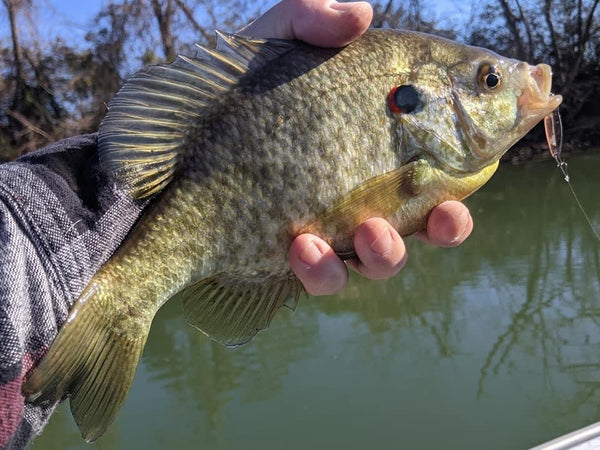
536,99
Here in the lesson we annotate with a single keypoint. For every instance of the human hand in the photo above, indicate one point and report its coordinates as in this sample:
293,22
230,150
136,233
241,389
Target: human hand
317,22
380,249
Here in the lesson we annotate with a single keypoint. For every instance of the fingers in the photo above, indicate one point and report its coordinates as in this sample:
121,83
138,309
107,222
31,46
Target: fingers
448,225
380,250
317,266
324,23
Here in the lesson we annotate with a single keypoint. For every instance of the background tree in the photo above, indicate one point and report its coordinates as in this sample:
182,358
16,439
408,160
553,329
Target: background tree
50,90
29,110
409,15
565,34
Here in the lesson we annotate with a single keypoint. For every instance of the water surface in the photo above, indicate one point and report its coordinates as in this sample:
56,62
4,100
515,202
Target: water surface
494,345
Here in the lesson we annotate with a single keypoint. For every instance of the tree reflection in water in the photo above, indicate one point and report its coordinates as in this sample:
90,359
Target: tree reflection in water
558,315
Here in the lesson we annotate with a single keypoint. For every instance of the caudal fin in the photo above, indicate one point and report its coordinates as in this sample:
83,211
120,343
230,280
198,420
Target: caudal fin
92,360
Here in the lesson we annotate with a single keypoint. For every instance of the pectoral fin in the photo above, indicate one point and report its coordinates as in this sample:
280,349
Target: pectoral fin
232,311
380,196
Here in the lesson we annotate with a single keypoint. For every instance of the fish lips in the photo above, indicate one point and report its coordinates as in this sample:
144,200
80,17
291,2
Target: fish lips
536,100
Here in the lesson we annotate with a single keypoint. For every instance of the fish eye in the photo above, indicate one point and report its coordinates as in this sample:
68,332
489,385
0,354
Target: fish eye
489,77
492,80
403,99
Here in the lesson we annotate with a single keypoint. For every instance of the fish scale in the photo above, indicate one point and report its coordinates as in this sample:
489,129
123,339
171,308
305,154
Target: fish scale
242,149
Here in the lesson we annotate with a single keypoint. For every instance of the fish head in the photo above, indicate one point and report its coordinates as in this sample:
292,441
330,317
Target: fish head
474,104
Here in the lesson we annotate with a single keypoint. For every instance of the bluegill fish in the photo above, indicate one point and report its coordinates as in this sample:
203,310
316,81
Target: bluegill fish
244,147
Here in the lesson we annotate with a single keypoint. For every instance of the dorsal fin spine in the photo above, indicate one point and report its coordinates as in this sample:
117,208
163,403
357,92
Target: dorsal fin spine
225,60
198,64
144,133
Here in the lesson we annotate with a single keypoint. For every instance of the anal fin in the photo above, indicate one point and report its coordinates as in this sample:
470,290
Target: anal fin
232,310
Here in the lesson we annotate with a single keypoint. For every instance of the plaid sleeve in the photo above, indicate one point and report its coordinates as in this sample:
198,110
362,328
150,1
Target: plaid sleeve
60,219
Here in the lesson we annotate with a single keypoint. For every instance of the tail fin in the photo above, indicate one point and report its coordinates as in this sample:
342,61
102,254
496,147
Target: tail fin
93,360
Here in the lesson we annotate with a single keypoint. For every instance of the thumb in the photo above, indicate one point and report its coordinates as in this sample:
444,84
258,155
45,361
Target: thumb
324,23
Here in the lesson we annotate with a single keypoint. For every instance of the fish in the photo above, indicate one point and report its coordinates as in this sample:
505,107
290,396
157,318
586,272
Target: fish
241,148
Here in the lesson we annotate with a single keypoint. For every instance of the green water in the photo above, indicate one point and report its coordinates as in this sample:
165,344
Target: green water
493,345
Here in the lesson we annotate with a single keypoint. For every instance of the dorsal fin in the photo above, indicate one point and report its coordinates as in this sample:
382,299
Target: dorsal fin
254,52
143,133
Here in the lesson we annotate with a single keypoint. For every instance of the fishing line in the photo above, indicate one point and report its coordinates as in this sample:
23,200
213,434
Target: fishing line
583,210
553,127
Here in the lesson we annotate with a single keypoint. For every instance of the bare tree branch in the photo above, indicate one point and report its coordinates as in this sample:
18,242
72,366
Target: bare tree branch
579,18
378,23
164,17
554,40
582,44
511,22
11,9
527,31
189,14
28,125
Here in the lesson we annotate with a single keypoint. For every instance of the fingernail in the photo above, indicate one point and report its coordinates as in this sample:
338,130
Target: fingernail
311,254
343,7
464,220
383,244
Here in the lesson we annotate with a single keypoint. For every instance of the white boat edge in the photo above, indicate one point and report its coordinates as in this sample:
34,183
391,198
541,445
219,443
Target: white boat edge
587,438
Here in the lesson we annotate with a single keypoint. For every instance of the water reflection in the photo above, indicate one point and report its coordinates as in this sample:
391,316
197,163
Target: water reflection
556,259
469,347
195,367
